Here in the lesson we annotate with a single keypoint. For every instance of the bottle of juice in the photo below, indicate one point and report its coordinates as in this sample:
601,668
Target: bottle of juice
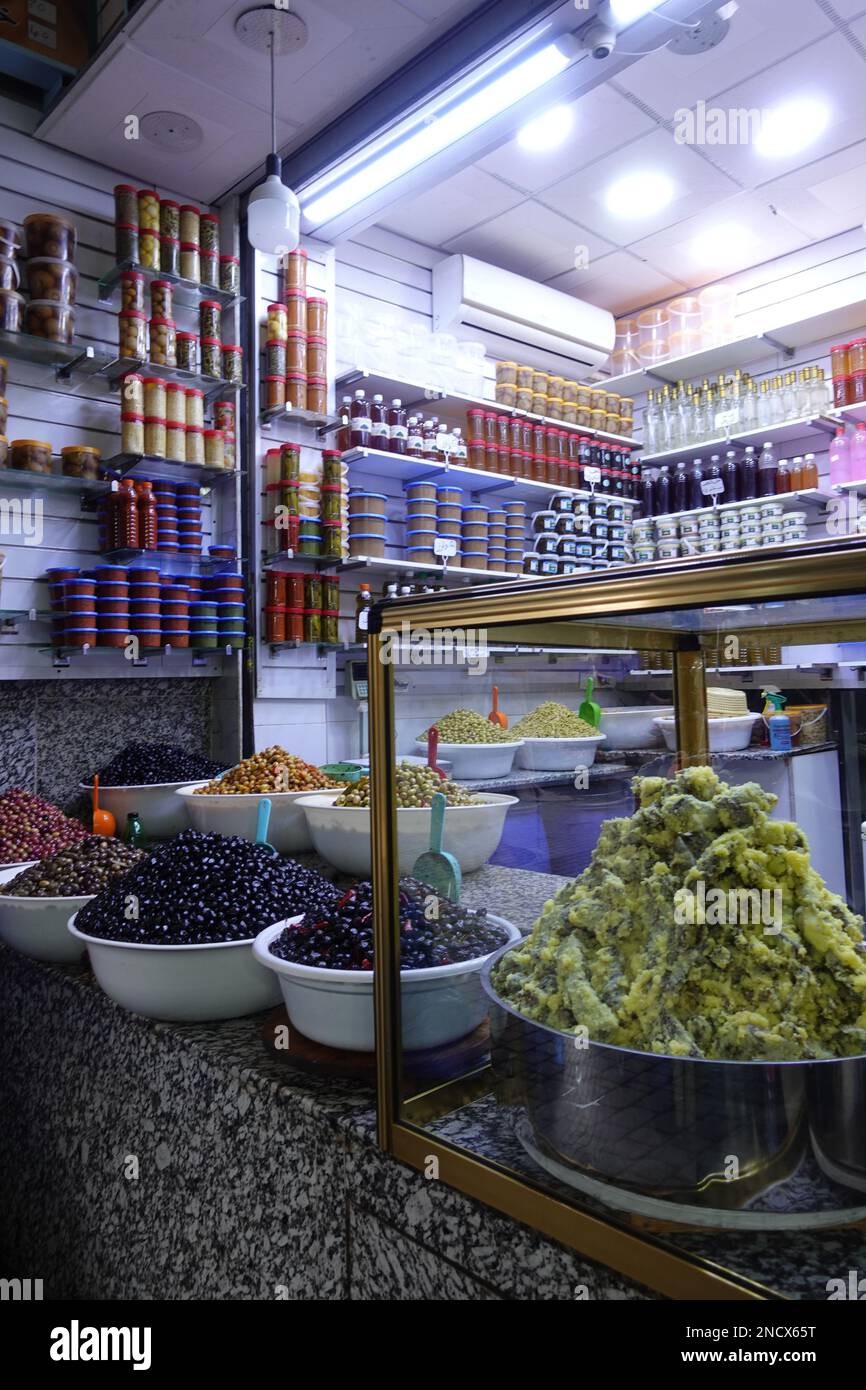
731,476
857,455
797,473
840,459
359,422
748,471
397,431
378,425
810,472
783,476
767,471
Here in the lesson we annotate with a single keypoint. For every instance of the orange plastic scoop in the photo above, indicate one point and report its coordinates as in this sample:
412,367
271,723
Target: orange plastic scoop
495,716
103,821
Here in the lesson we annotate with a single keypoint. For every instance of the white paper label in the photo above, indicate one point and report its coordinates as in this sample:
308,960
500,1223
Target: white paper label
592,475
711,487
445,546
725,418
363,619
399,432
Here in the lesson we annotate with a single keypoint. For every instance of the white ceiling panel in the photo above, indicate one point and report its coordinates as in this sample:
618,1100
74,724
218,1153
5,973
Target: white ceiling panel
761,33
603,121
431,10
724,239
696,183
848,9
824,198
460,203
530,240
619,282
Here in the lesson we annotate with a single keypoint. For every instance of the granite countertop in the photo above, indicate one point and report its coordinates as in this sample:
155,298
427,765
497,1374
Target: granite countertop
635,757
519,778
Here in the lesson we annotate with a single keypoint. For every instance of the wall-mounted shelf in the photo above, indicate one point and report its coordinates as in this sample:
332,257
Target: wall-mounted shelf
189,293
289,415
396,567
809,499
167,560
145,467
65,358
22,480
808,428
116,368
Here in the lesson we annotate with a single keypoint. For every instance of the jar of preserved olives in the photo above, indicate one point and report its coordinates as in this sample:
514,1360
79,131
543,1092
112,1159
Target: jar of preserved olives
132,325
30,455
190,262
169,218
148,210
187,351
163,342
47,234
149,249
190,223
230,274
209,232
211,357
132,290
233,363
275,357
80,461
210,318
278,323
126,204
126,250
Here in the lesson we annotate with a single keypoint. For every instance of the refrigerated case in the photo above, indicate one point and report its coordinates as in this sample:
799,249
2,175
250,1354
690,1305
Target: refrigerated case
718,1156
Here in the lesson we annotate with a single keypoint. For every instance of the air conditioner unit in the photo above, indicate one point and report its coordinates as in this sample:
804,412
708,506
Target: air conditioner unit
519,319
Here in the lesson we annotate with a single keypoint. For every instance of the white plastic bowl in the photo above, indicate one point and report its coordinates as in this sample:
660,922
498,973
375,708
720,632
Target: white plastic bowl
634,726
341,834
729,735
238,814
558,754
475,761
37,926
162,815
335,1007
182,984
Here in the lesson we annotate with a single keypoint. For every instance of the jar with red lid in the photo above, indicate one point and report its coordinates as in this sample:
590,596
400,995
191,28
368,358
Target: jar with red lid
148,209
132,290
331,497
294,590
233,363
477,453
332,467
211,357
149,249
551,469
503,431
317,394
490,427
274,392
839,360
516,462
296,390
294,624
154,437
474,424
132,393
169,255
296,351
210,274
161,298
857,392
210,318
278,322
275,623
223,415
275,357
169,218
503,459
294,271
209,231
296,311
538,467
290,462
187,351
126,203
230,274
317,316
163,342
491,457
275,588
857,356
317,356
842,388
132,324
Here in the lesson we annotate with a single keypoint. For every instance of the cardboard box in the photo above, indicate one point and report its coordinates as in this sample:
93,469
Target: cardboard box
52,29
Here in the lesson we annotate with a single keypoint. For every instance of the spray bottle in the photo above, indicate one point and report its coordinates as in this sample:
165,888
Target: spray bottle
777,722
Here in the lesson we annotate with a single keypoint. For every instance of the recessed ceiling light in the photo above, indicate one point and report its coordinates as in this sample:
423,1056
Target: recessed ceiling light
639,195
722,242
547,130
791,127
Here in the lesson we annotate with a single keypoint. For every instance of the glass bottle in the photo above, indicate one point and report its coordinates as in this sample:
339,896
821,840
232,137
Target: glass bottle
765,404
343,435
696,477
804,392
378,426
647,492
789,397
148,533
783,477
767,471
664,439
731,477
397,431
810,472
748,475
363,604
428,431
796,474
651,424
414,437
359,423
698,429
748,407
820,399
778,402
133,834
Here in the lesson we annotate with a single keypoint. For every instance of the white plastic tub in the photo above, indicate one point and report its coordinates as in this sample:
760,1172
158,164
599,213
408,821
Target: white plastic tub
335,1007
341,834
634,726
238,815
728,735
558,754
37,926
162,815
472,762
181,984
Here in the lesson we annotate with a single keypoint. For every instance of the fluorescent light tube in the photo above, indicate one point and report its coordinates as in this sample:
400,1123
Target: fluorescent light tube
625,12
440,132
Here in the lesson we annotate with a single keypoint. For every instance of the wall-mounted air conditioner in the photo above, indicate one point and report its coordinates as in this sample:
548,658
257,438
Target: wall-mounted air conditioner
519,319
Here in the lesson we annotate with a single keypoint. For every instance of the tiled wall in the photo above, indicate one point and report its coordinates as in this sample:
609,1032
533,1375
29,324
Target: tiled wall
54,736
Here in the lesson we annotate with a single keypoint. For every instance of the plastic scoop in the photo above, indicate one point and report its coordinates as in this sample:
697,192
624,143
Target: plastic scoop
263,820
103,821
439,870
432,751
495,716
589,710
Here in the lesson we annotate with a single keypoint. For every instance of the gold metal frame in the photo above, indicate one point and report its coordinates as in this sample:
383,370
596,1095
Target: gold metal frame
826,570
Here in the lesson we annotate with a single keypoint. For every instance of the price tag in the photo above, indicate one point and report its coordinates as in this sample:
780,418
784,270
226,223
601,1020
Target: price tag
592,475
711,487
725,418
446,546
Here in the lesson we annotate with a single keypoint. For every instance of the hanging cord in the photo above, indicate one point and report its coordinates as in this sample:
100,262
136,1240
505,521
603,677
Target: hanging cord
273,92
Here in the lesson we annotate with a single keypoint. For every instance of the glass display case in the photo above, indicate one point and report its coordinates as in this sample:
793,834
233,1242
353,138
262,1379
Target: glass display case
644,1032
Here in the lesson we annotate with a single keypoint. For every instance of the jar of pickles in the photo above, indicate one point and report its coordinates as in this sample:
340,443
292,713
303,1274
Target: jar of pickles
190,223
175,405
163,342
187,351
332,540
154,437
126,248
169,218
209,232
209,268
161,298
175,440
148,210
210,318
195,408
233,363
194,444
313,591
275,357
331,495
155,397
278,322
132,290
317,394
214,448
132,433
312,624
290,462
133,334
126,204
169,255
332,468
330,627
190,262
132,393
149,250
230,274
211,357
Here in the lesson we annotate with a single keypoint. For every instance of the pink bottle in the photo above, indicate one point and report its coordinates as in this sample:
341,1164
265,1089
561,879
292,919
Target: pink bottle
840,459
857,455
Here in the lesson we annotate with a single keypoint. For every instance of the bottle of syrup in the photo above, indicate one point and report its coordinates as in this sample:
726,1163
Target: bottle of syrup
731,477
378,425
397,431
363,603
359,422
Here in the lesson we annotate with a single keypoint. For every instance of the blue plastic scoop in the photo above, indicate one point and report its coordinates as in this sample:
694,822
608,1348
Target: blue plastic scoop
438,869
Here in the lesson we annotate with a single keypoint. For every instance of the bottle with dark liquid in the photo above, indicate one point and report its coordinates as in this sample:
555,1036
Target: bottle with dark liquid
696,477
359,422
731,476
680,488
715,471
397,431
344,441
748,476
647,492
662,492
378,425
767,472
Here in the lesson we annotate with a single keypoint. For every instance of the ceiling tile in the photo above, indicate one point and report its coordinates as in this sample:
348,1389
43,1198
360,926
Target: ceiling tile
684,250
530,240
432,10
696,183
603,121
451,207
824,198
760,35
848,8
619,282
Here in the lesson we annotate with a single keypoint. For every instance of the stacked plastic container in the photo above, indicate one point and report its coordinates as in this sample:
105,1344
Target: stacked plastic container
367,522
221,622
515,536
112,605
475,536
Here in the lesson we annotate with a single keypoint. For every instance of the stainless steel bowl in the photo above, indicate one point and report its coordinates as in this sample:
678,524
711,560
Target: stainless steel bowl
680,1128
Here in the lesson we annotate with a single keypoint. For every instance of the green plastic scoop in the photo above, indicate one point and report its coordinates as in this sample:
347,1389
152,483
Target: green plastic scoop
589,710
263,820
434,867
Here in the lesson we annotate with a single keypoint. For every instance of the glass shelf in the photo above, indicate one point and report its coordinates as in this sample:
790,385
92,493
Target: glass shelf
168,470
817,429
289,414
119,367
189,293
43,352
26,481
167,561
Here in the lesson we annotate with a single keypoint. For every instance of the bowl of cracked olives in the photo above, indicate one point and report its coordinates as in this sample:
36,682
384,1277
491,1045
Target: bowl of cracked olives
37,900
474,747
339,821
229,805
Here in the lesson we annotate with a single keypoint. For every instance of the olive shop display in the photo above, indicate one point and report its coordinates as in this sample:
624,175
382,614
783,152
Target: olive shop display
306,509
199,889
536,392
302,608
295,357
49,274
638,951
342,939
718,530
31,828
414,787
465,726
272,770
156,764
693,413
166,420
177,239
111,604
77,872
550,720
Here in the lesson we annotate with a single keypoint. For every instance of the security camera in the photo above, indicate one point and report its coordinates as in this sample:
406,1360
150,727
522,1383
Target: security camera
600,39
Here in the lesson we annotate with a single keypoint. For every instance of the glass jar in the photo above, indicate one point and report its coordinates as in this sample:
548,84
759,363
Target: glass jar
148,249
317,316
190,224
296,390
523,399
169,255
175,440
317,394
857,356
132,393
317,357
80,461
209,269
30,455
223,415
331,495
555,407
569,392
332,540
194,444
154,437
132,325
161,299
839,360
857,393
313,591
195,408
477,453
187,351
330,592
278,323
491,457
296,311
312,624
275,357
132,290
132,433
539,403
126,204
231,451
290,462
474,424
169,218
155,398
296,351
211,357
505,394
295,271
233,363
841,391
175,406
230,274
330,627
190,262
209,232
274,392
163,342
126,249
210,318
332,468
214,448
148,210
